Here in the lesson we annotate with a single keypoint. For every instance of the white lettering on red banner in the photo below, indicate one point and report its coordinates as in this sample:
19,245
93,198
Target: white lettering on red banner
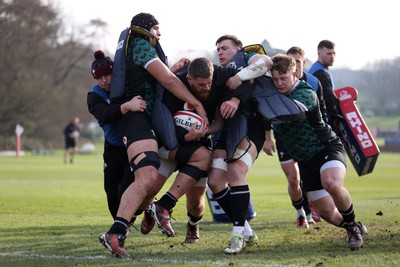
359,128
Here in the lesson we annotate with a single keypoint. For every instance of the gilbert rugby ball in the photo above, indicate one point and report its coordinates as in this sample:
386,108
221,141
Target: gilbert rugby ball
186,119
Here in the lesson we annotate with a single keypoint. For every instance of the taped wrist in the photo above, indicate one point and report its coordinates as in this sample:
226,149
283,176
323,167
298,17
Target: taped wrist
253,70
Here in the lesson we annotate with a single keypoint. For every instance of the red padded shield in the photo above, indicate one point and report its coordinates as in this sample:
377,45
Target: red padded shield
354,133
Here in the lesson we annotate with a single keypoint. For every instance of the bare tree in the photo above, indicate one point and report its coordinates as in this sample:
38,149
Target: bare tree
383,82
45,71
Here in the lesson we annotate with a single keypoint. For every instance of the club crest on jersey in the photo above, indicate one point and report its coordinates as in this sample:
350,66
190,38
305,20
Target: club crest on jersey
125,140
231,65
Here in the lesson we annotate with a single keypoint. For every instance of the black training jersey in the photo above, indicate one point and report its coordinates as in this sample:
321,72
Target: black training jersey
138,81
218,94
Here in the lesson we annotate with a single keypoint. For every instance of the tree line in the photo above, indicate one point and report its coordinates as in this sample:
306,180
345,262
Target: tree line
45,72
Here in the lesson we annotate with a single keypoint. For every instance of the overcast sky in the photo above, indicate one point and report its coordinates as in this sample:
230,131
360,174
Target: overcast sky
364,31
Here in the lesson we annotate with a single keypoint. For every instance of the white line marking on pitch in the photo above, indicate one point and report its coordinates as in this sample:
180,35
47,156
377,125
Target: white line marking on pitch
176,261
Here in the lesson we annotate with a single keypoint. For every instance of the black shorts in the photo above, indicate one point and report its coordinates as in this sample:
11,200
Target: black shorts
136,126
283,155
70,143
185,151
310,169
256,133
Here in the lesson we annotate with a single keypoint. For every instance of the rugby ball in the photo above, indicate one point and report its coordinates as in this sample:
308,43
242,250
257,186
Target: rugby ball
186,119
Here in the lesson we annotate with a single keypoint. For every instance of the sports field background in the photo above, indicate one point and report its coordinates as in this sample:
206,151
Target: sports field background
51,214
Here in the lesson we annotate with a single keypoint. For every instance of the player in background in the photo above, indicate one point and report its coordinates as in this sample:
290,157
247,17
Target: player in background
320,69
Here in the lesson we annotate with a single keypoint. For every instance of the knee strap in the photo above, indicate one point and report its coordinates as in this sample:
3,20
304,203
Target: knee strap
147,158
219,163
244,156
193,171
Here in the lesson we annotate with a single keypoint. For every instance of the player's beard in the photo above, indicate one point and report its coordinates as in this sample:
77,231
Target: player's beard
201,95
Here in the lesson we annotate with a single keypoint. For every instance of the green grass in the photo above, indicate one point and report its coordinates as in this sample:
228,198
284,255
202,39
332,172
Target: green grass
51,214
376,121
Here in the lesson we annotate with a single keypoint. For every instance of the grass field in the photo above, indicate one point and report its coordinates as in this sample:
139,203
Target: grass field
51,214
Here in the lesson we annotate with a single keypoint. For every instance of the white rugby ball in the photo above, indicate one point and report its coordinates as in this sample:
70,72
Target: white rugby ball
186,119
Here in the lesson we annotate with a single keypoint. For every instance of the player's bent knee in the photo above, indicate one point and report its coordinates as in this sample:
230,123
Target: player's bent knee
144,159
